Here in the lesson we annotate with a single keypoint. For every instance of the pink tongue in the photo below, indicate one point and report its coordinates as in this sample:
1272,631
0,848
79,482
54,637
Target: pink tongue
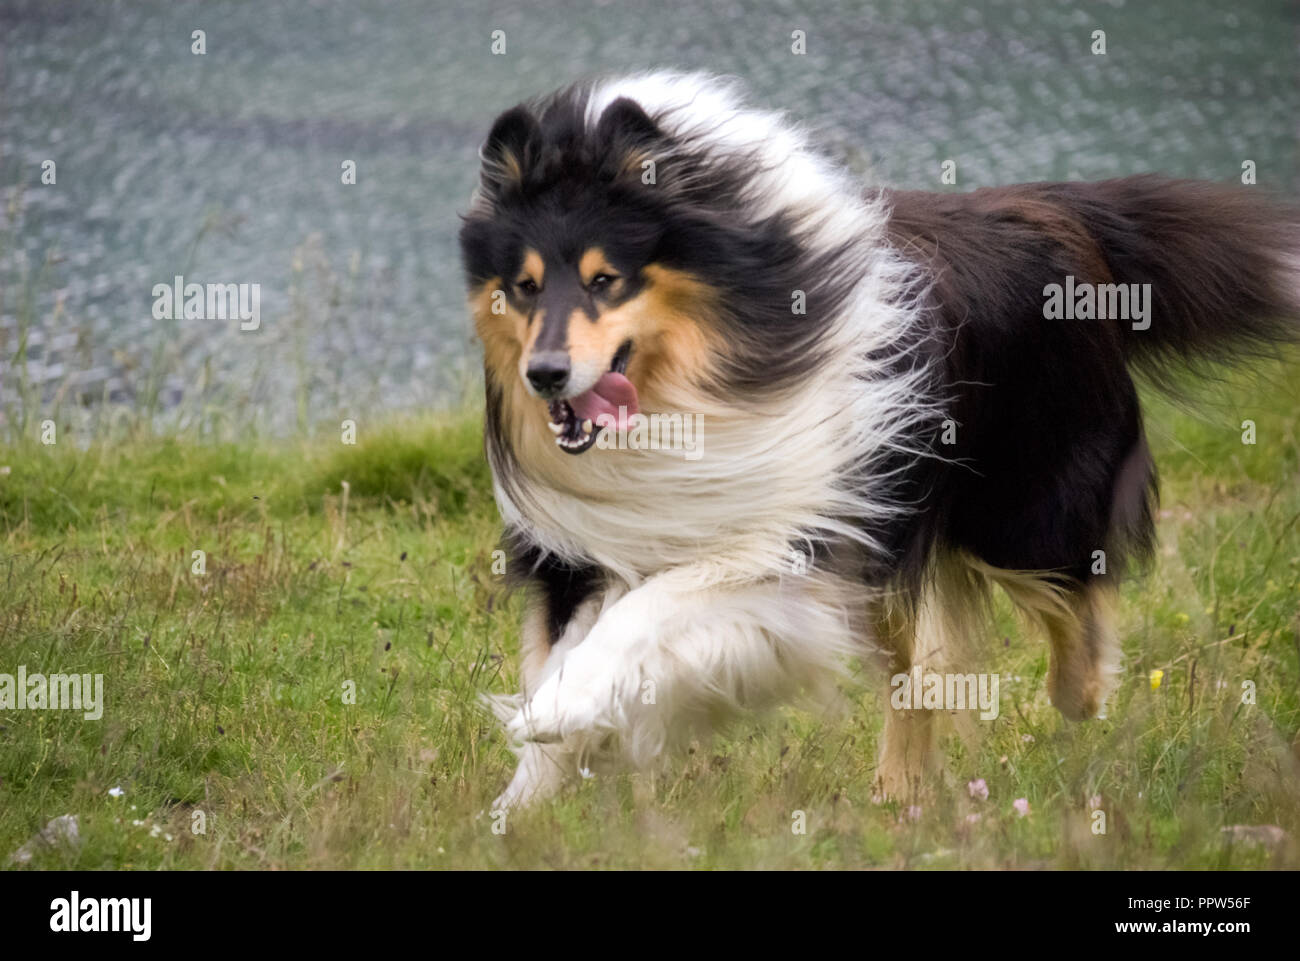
601,404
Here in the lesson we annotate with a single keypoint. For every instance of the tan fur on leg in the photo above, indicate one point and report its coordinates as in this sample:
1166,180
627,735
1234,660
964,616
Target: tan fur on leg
534,644
936,634
1080,623
905,742
1085,652
537,655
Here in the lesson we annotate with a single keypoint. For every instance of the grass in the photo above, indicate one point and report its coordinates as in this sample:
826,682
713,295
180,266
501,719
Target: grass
372,564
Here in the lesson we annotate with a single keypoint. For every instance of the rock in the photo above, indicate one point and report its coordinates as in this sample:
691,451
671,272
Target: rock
60,830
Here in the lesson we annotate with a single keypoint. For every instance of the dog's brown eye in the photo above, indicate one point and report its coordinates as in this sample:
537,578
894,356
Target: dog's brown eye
601,281
527,286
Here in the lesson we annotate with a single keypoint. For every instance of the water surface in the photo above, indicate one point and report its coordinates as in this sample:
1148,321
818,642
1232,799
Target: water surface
226,167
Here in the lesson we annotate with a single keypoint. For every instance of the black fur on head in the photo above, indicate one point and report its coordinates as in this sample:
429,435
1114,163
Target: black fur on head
558,180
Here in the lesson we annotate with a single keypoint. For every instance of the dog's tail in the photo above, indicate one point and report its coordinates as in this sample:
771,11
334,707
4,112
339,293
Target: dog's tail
1222,262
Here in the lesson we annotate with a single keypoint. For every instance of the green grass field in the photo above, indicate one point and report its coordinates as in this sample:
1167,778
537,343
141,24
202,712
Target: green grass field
372,564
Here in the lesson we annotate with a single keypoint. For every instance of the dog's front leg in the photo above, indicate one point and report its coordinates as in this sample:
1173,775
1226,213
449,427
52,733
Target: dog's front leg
687,645
544,769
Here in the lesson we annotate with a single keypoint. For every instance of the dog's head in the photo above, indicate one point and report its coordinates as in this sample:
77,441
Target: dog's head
579,268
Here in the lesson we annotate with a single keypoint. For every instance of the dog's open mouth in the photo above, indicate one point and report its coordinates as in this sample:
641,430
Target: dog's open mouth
577,420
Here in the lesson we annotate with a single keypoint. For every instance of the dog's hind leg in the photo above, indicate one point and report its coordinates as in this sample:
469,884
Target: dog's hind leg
1085,651
1081,631
1079,619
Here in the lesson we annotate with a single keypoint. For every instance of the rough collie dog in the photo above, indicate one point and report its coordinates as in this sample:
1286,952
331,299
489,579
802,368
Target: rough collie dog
894,414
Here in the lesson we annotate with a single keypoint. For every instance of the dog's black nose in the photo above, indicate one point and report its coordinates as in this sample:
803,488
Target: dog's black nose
548,371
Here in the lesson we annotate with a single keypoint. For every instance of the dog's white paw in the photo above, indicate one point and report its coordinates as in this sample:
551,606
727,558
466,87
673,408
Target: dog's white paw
502,706
578,700
542,773
554,716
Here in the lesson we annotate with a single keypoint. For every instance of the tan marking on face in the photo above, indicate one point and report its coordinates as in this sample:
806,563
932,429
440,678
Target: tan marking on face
507,337
674,343
502,334
593,343
532,329
594,262
533,268
504,337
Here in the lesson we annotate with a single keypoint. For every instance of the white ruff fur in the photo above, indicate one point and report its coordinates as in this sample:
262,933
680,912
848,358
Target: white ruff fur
707,610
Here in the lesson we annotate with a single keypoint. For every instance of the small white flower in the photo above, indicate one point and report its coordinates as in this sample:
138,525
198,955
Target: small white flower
115,792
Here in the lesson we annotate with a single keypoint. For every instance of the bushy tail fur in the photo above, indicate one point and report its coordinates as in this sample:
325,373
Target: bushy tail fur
1223,262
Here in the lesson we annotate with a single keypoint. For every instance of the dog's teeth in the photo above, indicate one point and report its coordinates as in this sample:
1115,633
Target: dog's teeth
555,428
586,426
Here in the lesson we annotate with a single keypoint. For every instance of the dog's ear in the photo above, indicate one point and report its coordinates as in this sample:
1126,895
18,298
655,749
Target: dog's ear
630,137
509,150
624,120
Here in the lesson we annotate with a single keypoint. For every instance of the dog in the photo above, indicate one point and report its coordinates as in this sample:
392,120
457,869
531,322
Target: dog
905,399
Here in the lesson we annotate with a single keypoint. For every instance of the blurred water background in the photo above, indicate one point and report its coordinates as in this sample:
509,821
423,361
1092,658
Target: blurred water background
226,167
